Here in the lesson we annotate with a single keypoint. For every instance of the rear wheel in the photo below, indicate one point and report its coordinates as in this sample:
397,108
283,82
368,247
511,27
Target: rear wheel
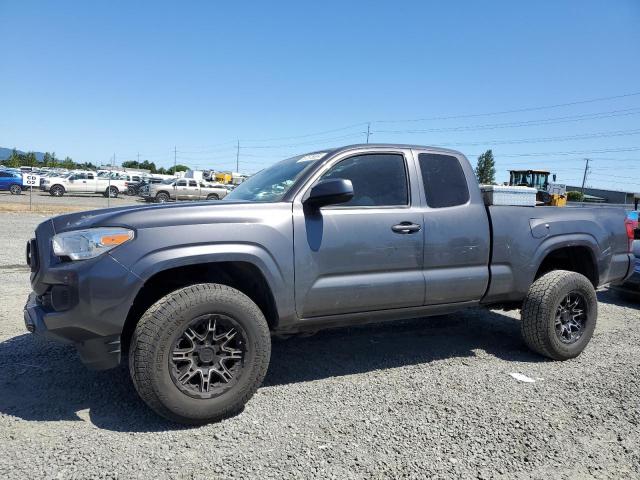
559,314
56,191
15,189
199,354
111,192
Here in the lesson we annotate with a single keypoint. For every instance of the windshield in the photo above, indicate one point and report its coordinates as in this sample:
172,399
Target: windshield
273,183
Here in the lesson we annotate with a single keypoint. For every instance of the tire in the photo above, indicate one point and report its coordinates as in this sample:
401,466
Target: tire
56,191
545,198
15,189
213,196
162,197
168,329
547,325
111,192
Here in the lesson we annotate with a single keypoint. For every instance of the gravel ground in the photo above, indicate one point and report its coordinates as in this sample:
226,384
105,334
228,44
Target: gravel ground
414,399
87,201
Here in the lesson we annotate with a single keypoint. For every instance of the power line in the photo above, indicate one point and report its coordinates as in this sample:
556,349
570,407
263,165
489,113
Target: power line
517,110
564,138
312,142
348,127
570,152
524,123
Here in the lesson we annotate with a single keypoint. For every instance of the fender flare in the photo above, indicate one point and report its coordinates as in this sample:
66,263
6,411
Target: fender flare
181,256
557,242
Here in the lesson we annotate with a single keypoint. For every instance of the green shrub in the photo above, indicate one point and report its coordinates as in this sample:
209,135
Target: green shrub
575,196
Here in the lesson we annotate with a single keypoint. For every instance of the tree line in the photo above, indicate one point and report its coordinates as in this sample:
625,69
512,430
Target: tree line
151,166
20,159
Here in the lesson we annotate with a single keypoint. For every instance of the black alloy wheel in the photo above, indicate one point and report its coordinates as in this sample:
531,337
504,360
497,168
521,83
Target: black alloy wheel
571,318
207,358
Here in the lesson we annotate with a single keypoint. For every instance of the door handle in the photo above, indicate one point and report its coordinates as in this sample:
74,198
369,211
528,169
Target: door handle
406,227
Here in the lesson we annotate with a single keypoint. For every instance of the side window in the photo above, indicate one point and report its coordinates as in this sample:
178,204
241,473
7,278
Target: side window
2,174
193,183
444,182
181,183
378,179
90,176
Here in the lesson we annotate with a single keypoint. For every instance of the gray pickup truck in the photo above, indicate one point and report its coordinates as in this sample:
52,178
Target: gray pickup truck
366,233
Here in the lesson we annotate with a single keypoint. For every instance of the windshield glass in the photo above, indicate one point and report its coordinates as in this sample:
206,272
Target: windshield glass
273,183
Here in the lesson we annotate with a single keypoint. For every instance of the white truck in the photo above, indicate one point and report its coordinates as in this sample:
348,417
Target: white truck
185,189
84,182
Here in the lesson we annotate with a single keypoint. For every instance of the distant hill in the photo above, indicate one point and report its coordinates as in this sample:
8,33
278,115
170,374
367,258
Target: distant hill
6,153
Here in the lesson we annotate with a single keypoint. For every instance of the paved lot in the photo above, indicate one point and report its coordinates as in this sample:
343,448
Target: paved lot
416,399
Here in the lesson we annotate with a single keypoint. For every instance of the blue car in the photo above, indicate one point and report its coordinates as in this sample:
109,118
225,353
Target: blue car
11,181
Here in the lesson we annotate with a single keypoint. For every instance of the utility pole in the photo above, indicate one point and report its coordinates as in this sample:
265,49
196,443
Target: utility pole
584,177
175,159
368,130
113,163
138,159
238,158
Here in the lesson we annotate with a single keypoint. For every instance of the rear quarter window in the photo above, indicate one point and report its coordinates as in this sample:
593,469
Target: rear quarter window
443,178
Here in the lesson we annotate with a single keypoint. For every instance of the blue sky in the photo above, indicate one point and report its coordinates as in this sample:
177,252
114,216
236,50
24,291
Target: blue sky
90,79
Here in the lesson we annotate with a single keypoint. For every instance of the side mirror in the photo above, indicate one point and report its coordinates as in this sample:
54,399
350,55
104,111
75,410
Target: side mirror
330,191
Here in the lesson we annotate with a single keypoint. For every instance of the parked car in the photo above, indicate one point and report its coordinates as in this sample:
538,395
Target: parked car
193,291
83,183
186,189
143,190
138,187
631,288
12,181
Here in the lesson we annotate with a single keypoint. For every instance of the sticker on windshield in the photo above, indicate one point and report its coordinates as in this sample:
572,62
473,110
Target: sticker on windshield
311,157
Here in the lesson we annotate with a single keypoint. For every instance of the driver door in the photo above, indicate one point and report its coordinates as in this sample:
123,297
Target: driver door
181,189
353,257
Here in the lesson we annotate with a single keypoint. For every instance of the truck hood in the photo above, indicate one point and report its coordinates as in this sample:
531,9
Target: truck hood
171,214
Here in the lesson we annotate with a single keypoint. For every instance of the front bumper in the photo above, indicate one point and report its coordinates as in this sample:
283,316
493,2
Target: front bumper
85,303
97,353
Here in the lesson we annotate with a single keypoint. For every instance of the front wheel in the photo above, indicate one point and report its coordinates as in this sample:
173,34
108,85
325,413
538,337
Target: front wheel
559,314
15,189
162,198
56,191
213,196
200,353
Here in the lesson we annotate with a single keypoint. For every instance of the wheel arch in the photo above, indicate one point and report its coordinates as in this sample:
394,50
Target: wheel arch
577,255
243,274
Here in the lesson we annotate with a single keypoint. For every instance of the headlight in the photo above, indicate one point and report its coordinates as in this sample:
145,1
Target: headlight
84,244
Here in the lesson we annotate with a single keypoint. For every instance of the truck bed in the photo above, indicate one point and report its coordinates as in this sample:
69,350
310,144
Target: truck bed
523,236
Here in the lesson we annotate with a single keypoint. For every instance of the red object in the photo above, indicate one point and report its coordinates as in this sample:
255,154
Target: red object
631,226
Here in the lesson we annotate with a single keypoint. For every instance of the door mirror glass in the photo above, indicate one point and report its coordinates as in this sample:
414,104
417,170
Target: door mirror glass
330,191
